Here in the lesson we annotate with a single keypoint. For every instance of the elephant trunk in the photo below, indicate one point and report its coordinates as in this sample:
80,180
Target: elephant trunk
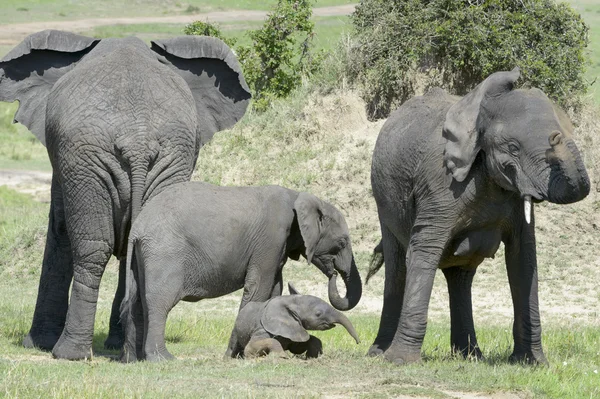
353,288
340,318
568,181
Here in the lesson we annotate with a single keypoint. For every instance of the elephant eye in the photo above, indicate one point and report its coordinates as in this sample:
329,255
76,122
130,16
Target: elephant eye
513,148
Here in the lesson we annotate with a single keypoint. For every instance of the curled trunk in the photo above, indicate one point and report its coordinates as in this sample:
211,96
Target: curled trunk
353,289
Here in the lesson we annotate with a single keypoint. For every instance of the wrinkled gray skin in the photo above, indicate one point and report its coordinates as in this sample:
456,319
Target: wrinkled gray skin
280,324
196,241
121,122
450,177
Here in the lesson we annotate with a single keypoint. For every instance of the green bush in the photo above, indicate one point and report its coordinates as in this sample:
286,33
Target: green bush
402,46
207,29
280,53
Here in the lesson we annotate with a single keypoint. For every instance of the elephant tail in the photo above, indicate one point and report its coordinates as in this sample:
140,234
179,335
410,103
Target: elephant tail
129,299
376,261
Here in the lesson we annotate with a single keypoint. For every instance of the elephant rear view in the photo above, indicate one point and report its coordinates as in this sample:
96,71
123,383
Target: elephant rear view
121,122
453,178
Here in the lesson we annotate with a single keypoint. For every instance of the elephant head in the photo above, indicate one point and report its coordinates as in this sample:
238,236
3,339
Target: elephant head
526,140
29,72
290,316
327,241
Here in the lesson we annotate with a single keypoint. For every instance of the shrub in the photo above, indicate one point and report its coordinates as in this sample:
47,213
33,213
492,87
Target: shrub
402,46
207,29
280,53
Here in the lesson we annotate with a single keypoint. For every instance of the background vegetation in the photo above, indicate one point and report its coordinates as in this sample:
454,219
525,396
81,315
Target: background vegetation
405,46
318,139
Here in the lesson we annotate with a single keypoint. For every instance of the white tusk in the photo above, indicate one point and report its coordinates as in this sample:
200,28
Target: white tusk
527,204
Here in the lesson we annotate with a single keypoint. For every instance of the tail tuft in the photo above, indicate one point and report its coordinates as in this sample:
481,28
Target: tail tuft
376,261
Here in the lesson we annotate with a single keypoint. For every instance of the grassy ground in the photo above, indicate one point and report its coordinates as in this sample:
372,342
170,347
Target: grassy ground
15,11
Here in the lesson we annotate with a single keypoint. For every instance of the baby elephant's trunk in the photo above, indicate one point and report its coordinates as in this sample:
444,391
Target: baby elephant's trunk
340,318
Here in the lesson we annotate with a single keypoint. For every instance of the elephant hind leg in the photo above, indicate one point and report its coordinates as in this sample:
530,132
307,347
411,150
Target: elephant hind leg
462,336
116,334
57,272
89,220
395,278
263,347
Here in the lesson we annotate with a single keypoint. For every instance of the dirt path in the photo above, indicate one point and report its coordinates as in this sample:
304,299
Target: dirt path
13,33
28,181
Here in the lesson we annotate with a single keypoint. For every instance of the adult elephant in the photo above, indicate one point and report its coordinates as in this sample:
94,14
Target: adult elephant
121,122
453,177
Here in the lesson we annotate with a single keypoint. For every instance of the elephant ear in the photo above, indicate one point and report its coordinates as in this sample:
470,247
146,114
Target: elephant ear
309,211
30,70
460,127
214,76
280,318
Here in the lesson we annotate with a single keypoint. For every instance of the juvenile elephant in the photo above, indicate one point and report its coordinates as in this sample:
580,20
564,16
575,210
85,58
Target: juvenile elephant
280,324
453,177
196,241
121,122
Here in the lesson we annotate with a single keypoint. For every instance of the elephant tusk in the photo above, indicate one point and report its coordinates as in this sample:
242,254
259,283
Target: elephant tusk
527,204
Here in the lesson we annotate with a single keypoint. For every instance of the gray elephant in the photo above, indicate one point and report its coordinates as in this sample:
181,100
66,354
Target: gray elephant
280,324
121,122
196,241
453,177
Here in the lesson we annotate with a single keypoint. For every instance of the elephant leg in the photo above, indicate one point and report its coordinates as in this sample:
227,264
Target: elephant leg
133,327
423,256
90,225
155,348
462,336
395,278
277,285
116,335
521,265
57,272
263,347
313,347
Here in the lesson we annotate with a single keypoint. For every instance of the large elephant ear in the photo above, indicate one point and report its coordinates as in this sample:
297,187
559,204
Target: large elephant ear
460,127
28,73
309,211
214,76
280,318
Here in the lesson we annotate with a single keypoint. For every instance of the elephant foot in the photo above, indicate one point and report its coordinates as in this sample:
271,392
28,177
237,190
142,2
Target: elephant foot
40,341
114,342
531,357
402,357
159,356
377,350
69,350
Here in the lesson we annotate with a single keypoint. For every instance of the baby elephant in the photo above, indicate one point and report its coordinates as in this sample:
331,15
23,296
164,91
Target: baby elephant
196,240
280,324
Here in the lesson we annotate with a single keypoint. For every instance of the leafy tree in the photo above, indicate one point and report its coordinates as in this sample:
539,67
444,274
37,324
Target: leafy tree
405,45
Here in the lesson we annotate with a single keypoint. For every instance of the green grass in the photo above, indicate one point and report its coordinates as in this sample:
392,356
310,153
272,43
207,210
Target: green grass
16,11
19,149
590,11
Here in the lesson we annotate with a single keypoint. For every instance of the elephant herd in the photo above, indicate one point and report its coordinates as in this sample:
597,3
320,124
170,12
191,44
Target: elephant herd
123,124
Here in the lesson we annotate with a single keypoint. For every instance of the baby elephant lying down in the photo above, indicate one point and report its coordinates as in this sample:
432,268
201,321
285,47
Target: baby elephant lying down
280,324
196,240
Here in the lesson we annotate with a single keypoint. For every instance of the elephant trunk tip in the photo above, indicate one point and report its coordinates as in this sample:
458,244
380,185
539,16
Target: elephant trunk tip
353,290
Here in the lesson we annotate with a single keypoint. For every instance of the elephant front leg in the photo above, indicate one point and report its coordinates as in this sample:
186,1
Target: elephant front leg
313,347
521,265
423,257
395,278
57,273
462,336
116,334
